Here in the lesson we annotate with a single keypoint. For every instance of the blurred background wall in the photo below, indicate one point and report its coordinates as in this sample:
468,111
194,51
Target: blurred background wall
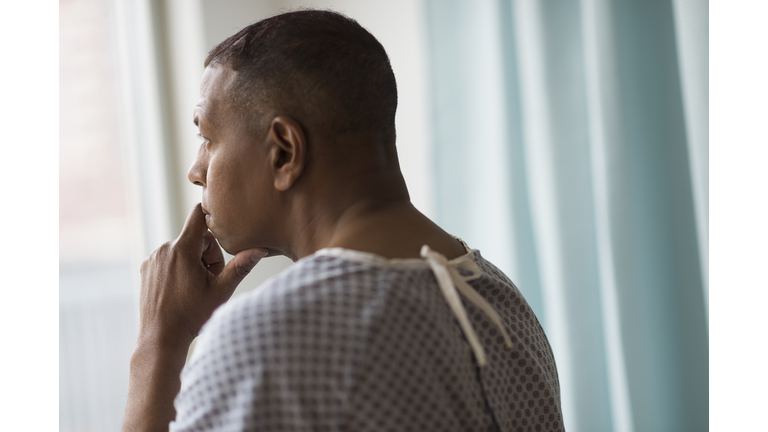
567,140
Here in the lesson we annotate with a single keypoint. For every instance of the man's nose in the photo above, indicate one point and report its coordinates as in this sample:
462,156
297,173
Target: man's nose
199,167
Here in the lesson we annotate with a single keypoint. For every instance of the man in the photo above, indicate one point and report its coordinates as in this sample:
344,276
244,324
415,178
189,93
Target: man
366,331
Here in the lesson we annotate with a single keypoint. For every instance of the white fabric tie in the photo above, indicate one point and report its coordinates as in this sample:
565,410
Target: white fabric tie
449,279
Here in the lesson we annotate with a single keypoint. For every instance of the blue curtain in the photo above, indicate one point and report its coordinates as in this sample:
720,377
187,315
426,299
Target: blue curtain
570,147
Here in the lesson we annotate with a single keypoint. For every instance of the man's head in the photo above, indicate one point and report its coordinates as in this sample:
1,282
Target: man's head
297,115
319,67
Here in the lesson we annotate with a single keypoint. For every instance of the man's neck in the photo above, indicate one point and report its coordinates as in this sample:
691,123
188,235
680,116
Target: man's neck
370,214
392,230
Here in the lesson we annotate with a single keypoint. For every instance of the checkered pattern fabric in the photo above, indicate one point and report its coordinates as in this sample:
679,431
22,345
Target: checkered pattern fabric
348,341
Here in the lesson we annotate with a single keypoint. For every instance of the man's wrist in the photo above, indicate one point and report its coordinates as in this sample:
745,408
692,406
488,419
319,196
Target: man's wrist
155,371
166,343
150,353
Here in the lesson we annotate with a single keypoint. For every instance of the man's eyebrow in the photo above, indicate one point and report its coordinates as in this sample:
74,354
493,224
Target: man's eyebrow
196,121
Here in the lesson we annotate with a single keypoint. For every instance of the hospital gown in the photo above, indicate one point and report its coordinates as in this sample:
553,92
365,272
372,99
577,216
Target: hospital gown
350,341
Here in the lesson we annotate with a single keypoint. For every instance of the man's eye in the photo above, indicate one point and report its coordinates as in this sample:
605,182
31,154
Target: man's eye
202,138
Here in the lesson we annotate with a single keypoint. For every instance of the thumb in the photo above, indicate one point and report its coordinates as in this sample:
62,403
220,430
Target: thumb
239,267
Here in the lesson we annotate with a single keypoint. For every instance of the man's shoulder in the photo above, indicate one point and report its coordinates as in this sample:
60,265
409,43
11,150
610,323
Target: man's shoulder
311,294
259,351
312,312
312,280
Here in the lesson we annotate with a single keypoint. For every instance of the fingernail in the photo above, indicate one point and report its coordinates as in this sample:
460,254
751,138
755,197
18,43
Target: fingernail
257,255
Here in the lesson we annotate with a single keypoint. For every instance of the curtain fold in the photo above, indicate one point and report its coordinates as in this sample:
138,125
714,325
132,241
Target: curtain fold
562,151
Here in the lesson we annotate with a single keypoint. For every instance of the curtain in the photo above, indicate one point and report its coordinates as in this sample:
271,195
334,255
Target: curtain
570,147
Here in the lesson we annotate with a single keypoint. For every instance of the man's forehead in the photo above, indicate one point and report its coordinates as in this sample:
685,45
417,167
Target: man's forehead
214,86
216,79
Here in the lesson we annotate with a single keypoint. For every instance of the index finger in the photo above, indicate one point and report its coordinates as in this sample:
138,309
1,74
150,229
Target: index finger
194,228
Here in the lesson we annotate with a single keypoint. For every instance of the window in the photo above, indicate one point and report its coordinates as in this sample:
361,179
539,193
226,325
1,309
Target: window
97,309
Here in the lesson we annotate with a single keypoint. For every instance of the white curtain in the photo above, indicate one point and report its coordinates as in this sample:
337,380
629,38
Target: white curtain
570,147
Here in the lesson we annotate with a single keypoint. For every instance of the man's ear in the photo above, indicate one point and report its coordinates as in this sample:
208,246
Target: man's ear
288,151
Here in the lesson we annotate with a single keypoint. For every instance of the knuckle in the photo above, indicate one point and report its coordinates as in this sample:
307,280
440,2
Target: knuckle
154,254
147,263
163,252
241,272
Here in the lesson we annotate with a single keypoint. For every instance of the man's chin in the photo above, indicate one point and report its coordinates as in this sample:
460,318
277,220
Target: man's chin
230,247
225,245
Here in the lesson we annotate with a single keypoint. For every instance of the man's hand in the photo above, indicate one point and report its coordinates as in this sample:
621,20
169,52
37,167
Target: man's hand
182,283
